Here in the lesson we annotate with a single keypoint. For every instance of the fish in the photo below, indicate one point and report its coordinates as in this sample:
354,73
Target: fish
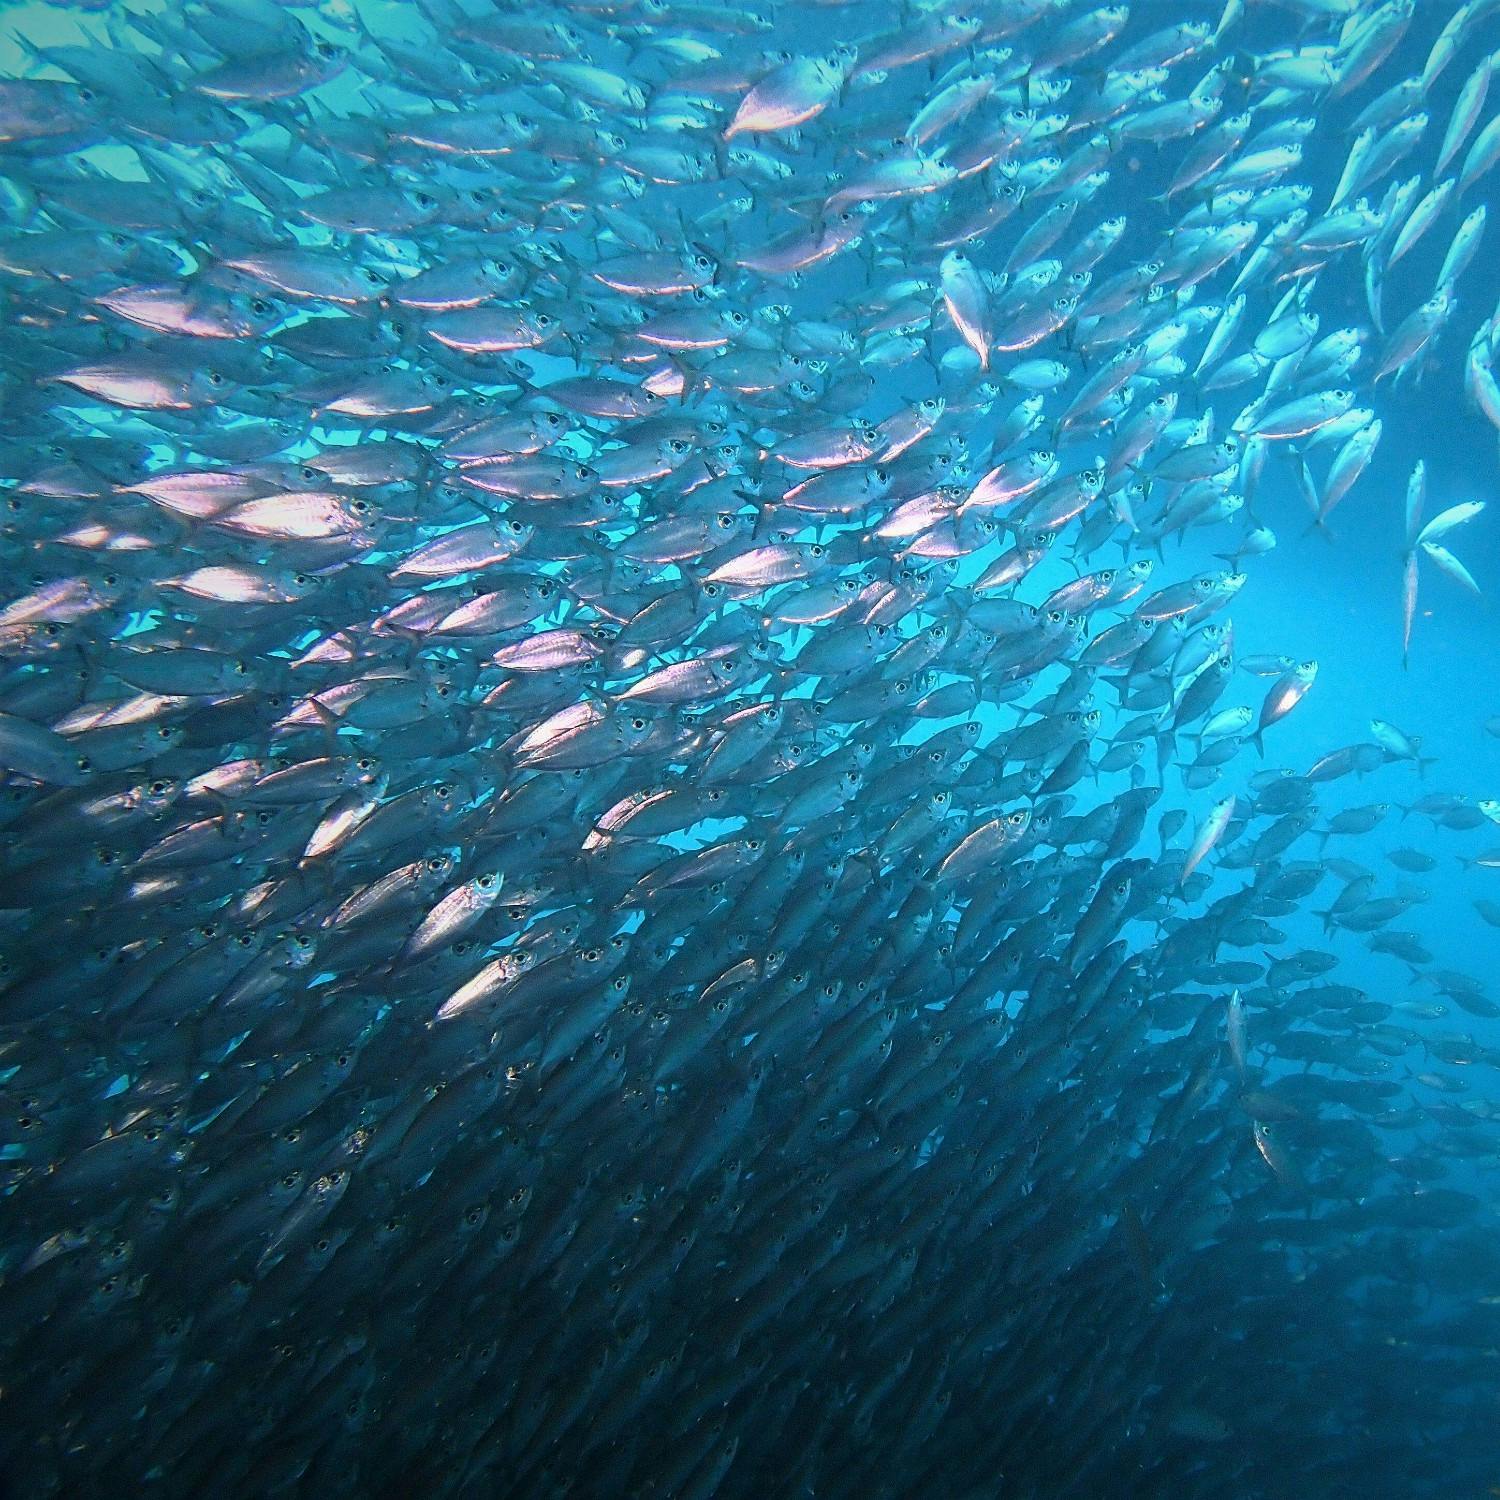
642,850
790,95
1209,834
1285,694
1454,515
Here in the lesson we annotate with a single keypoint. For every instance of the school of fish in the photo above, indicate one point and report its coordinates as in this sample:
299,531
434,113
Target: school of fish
637,859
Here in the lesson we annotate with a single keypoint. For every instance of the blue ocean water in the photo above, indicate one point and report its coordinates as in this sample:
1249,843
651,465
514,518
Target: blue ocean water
387,1115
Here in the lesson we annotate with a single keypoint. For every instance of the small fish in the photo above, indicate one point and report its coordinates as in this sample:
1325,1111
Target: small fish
1285,694
1209,833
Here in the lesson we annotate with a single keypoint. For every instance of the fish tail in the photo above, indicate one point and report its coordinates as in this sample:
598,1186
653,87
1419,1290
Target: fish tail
30,48
328,723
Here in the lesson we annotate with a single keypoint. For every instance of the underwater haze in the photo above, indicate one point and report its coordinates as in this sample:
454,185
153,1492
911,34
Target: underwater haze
749,749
